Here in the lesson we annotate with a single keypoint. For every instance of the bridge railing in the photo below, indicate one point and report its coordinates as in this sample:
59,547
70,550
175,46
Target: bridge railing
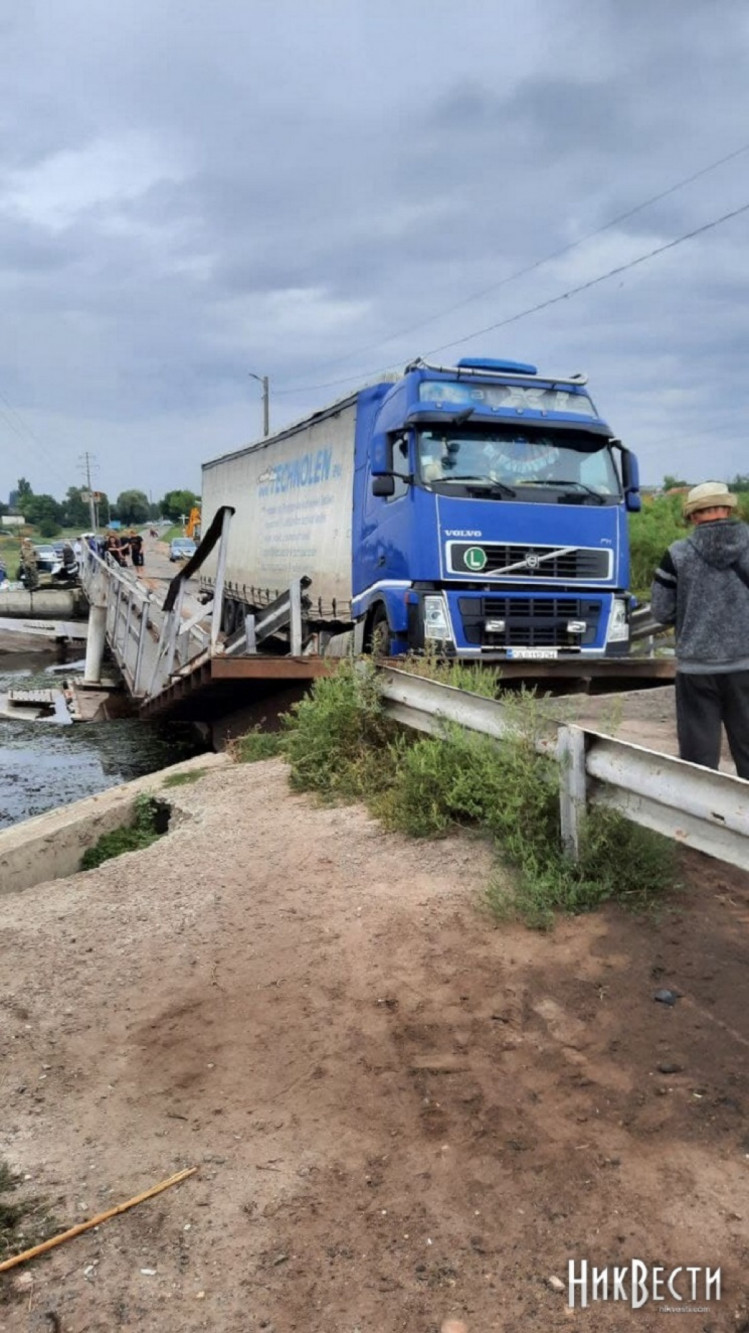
151,639
131,611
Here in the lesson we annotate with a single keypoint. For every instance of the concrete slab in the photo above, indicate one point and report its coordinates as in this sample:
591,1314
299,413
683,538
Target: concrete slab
51,845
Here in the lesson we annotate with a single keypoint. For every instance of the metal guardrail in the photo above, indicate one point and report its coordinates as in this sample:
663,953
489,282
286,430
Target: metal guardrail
642,624
692,805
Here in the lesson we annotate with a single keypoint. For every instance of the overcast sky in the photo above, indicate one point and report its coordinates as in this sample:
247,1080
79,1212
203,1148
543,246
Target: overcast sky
317,190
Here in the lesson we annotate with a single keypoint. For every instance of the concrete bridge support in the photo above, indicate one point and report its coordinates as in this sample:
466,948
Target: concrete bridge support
97,631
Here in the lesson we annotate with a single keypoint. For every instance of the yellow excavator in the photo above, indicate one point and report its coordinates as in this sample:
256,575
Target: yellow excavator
193,525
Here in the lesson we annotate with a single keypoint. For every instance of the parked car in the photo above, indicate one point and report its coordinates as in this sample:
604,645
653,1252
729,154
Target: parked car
182,548
47,559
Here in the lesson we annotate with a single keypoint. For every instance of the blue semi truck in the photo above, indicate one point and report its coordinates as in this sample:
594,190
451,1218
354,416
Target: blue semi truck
479,508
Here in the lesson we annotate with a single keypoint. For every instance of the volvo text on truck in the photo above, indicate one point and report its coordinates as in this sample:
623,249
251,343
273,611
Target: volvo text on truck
480,508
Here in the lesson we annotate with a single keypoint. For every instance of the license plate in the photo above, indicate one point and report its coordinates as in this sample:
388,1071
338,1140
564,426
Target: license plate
533,654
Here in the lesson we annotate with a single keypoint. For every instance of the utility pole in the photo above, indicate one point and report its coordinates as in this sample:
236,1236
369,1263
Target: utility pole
265,384
93,515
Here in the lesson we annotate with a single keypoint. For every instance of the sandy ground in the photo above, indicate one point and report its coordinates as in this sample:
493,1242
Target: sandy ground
643,717
400,1113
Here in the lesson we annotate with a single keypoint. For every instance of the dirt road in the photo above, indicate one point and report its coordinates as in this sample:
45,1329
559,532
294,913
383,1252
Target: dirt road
400,1113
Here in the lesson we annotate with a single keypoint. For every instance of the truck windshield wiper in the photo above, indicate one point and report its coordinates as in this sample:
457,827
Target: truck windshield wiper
599,499
487,484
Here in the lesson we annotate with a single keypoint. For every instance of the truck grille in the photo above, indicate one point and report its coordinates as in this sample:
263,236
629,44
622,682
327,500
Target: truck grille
530,622
525,561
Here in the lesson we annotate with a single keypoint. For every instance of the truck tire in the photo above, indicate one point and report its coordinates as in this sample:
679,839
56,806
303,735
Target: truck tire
232,616
380,635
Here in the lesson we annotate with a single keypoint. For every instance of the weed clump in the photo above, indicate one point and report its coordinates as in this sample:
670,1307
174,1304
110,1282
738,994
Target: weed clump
482,680
150,821
256,745
184,779
23,1221
341,745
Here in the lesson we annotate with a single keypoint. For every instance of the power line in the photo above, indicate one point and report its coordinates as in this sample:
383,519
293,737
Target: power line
538,263
542,305
14,420
593,282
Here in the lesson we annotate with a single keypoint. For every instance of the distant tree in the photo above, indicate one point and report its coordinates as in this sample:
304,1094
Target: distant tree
103,509
670,483
44,512
740,483
76,510
177,503
23,490
132,507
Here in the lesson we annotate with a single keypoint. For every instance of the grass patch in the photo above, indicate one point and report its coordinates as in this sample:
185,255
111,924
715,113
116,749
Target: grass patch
483,680
255,745
184,779
150,821
24,1221
342,746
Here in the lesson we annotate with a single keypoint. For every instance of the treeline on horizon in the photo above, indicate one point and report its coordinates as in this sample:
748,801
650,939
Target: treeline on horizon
131,508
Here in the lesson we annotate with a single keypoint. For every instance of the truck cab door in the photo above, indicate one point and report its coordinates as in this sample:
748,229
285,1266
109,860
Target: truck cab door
385,536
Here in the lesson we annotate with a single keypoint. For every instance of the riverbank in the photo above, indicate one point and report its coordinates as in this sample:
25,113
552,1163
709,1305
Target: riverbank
399,1112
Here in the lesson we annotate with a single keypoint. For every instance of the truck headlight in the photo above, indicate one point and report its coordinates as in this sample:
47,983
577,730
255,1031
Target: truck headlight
436,624
618,626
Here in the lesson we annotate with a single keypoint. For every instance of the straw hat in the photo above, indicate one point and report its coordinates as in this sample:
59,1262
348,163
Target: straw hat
709,495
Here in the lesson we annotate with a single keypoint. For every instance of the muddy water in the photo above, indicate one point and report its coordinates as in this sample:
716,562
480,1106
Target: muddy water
44,764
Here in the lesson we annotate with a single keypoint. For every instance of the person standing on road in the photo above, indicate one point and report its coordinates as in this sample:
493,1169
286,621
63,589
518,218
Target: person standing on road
702,587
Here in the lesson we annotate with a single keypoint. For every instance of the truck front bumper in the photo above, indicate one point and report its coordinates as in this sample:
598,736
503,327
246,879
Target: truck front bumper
520,624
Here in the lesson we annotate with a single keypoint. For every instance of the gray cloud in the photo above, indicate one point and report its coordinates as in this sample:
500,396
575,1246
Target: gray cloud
313,192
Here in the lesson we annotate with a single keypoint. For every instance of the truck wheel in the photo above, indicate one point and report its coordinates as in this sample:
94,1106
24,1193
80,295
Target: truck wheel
381,638
232,616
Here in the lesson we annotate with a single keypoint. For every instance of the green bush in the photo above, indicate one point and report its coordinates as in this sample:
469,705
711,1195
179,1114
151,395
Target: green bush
651,532
341,745
339,742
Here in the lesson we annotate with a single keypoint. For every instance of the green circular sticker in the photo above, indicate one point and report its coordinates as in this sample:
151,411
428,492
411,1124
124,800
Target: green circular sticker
475,559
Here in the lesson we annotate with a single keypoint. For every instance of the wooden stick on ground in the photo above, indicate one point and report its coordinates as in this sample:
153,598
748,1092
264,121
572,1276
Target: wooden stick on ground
94,1221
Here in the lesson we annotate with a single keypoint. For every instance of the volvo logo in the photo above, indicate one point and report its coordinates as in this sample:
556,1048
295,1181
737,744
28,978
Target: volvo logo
532,560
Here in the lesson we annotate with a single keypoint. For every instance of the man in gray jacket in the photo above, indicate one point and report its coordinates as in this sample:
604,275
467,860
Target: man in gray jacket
702,587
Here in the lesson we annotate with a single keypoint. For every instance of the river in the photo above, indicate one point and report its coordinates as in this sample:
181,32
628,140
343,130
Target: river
45,764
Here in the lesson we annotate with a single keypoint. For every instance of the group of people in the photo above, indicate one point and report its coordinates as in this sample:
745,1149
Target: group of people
122,547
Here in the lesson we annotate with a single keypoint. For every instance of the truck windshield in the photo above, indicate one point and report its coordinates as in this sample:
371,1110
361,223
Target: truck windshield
544,465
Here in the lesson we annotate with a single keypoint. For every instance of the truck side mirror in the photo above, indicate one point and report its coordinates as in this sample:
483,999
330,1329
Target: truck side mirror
384,486
630,478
